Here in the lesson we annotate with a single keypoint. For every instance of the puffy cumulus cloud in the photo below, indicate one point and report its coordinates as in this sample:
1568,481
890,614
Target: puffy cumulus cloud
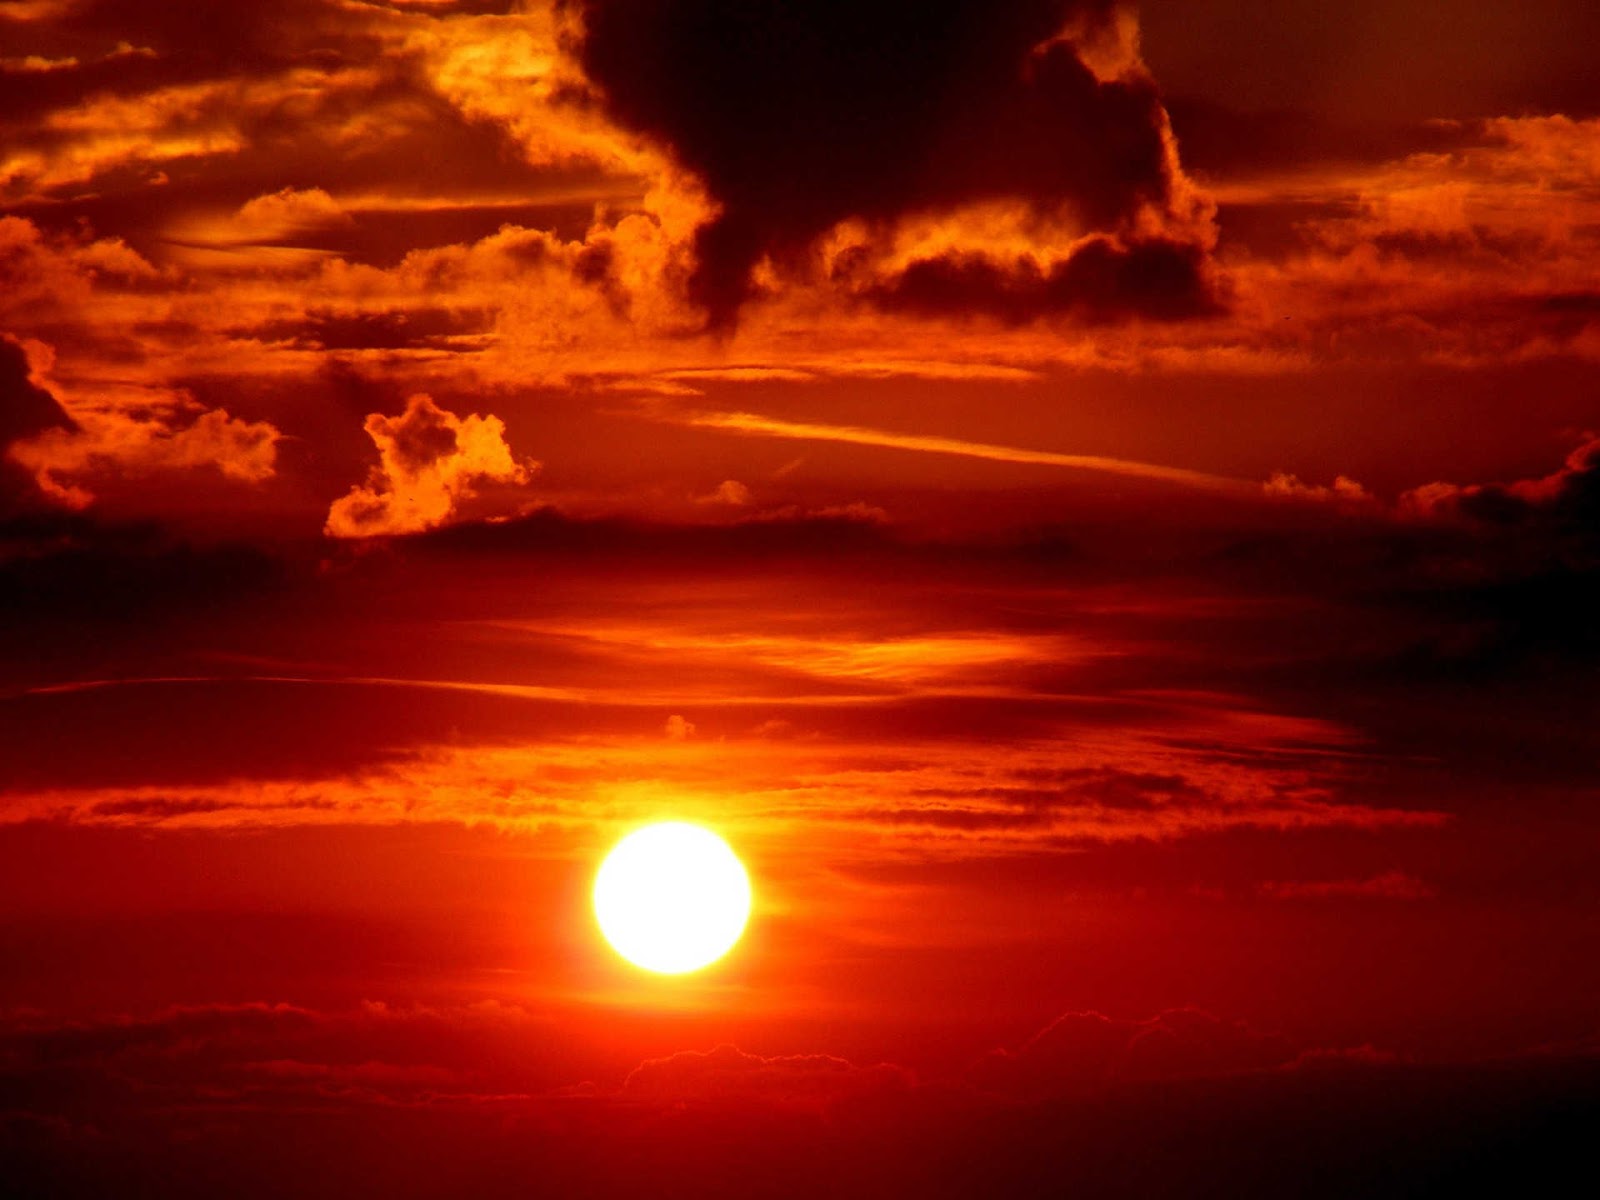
46,279
893,111
729,1074
1084,1050
112,443
1567,499
729,492
113,431
283,214
430,462
1344,493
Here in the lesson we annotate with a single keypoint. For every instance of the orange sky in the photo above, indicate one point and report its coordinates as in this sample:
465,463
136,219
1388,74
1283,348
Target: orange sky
1101,507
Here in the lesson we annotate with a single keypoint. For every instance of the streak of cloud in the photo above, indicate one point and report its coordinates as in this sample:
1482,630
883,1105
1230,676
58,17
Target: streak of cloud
756,425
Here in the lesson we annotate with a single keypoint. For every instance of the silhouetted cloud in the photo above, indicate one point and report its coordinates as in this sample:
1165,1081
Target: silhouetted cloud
26,409
887,109
1390,885
1567,499
1087,1050
729,1074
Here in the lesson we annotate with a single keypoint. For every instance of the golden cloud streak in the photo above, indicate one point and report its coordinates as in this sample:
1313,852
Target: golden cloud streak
759,426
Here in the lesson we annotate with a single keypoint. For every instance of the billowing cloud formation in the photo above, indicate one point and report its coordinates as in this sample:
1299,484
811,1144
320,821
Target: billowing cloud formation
1568,498
1344,493
120,430
430,461
117,443
799,117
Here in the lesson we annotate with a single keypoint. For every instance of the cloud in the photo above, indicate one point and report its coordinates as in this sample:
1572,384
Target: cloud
1082,1050
431,462
1344,493
260,1056
26,409
761,426
1567,498
888,109
1391,885
1469,243
729,1074
414,1103
117,432
1099,279
729,492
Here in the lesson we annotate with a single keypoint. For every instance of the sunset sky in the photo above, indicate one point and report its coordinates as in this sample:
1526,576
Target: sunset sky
1099,506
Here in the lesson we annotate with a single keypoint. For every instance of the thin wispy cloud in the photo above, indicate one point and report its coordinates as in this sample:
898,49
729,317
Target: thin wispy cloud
756,425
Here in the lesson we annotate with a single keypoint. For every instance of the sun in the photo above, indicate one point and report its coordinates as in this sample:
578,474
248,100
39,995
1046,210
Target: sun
672,897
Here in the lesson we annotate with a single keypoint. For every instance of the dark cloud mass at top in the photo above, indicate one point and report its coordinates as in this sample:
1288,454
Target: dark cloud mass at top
798,115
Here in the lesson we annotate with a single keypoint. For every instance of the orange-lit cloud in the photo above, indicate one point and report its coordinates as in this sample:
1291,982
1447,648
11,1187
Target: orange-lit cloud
430,463
1343,493
134,432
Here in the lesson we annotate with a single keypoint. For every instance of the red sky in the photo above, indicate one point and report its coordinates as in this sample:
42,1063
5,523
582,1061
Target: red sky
1101,508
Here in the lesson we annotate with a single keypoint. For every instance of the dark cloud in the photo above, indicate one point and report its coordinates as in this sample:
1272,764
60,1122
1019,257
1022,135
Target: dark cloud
64,566
427,328
1086,1050
25,409
263,1100
1567,500
174,1029
1102,281
798,115
1391,885
728,1073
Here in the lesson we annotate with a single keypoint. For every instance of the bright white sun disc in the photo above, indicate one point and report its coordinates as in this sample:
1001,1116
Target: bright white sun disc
672,897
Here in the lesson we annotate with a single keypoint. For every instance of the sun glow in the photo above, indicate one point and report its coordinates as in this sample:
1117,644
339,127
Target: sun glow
672,897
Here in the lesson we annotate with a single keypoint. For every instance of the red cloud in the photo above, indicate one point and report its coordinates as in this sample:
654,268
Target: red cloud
728,1073
116,431
1081,1050
1391,885
1568,495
